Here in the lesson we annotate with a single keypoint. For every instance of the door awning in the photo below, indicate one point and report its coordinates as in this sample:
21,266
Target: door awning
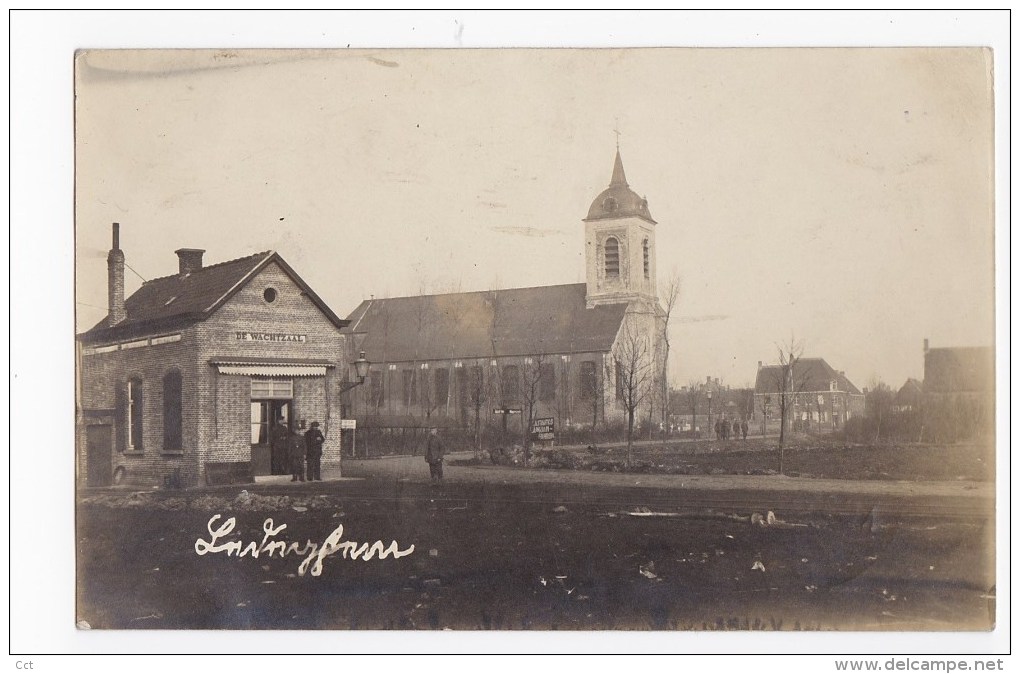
282,367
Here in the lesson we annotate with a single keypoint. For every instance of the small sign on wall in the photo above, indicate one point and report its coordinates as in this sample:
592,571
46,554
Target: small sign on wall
348,424
245,336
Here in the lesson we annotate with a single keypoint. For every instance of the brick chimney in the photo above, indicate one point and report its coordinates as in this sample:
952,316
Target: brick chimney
115,282
926,345
190,260
759,364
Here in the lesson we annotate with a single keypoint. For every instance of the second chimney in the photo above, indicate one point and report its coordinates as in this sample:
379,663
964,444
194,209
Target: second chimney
115,279
190,260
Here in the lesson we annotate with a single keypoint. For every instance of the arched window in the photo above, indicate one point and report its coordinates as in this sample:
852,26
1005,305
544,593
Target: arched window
612,258
644,246
172,400
510,384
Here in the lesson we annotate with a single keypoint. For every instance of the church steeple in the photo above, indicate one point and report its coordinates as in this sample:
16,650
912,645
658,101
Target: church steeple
619,244
619,178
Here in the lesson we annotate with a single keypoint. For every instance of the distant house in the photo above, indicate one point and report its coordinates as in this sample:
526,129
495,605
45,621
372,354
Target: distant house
908,398
959,391
817,393
703,403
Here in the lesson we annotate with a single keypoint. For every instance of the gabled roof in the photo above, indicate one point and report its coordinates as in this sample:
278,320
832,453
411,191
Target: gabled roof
909,393
809,374
173,302
513,322
959,369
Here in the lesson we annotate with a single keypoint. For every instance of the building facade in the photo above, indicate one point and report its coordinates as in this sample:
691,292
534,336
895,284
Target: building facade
573,353
188,380
817,396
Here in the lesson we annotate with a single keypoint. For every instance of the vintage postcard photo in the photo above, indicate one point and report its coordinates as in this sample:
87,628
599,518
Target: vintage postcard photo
535,339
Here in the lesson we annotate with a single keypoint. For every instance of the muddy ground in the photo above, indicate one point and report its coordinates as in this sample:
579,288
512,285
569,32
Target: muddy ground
756,456
519,557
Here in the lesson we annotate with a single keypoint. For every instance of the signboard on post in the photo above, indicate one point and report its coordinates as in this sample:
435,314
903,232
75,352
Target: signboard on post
544,429
348,424
506,410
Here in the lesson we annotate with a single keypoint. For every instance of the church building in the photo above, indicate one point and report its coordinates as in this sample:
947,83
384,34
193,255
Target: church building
573,353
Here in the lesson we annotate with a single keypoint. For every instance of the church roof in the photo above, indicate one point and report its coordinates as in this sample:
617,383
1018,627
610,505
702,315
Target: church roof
618,200
493,323
172,302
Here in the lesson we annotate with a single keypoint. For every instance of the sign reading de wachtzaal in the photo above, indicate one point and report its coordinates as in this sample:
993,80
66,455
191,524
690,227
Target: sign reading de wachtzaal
248,336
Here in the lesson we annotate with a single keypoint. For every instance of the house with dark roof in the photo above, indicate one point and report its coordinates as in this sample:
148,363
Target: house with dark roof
190,378
817,395
909,396
472,359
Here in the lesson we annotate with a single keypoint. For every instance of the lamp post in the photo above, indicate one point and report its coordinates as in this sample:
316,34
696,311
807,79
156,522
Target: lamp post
361,366
711,429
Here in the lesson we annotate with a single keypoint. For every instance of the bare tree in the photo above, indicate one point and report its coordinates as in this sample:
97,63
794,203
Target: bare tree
670,300
787,381
531,380
635,377
878,403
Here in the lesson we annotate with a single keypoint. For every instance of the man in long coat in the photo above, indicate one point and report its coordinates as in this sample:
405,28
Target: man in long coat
313,451
434,452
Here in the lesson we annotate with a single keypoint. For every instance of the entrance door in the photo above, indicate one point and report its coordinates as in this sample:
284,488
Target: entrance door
271,424
99,455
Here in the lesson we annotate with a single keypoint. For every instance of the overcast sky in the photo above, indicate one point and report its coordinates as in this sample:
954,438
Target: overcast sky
841,196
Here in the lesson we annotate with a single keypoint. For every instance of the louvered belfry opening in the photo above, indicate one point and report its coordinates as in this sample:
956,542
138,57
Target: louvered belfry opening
612,258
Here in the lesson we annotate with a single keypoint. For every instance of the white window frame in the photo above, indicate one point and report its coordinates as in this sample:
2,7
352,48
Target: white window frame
271,389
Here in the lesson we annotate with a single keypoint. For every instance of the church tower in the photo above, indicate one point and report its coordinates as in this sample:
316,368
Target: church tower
619,235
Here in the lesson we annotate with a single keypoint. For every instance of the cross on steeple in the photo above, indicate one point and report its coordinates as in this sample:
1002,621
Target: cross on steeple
616,130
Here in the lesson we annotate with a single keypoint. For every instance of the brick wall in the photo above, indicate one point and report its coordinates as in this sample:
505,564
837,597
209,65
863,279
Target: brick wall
216,410
567,405
292,312
103,373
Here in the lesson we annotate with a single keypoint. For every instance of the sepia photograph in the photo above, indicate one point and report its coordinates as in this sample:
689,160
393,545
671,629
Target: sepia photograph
639,338
629,339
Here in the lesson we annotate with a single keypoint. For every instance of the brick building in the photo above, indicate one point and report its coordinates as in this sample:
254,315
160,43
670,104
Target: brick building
186,380
818,395
451,359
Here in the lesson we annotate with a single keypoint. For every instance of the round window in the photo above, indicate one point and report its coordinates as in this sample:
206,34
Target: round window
269,295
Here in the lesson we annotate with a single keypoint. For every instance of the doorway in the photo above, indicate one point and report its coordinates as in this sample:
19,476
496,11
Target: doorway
271,426
99,455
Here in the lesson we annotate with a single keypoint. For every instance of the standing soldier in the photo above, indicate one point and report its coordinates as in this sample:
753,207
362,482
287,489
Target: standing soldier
743,428
736,428
297,457
313,451
434,451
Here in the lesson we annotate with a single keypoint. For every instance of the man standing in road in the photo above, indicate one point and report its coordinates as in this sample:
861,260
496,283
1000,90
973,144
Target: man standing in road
313,451
434,451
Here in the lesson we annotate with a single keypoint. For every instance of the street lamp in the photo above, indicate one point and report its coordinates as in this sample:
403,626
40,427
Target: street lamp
361,366
710,427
